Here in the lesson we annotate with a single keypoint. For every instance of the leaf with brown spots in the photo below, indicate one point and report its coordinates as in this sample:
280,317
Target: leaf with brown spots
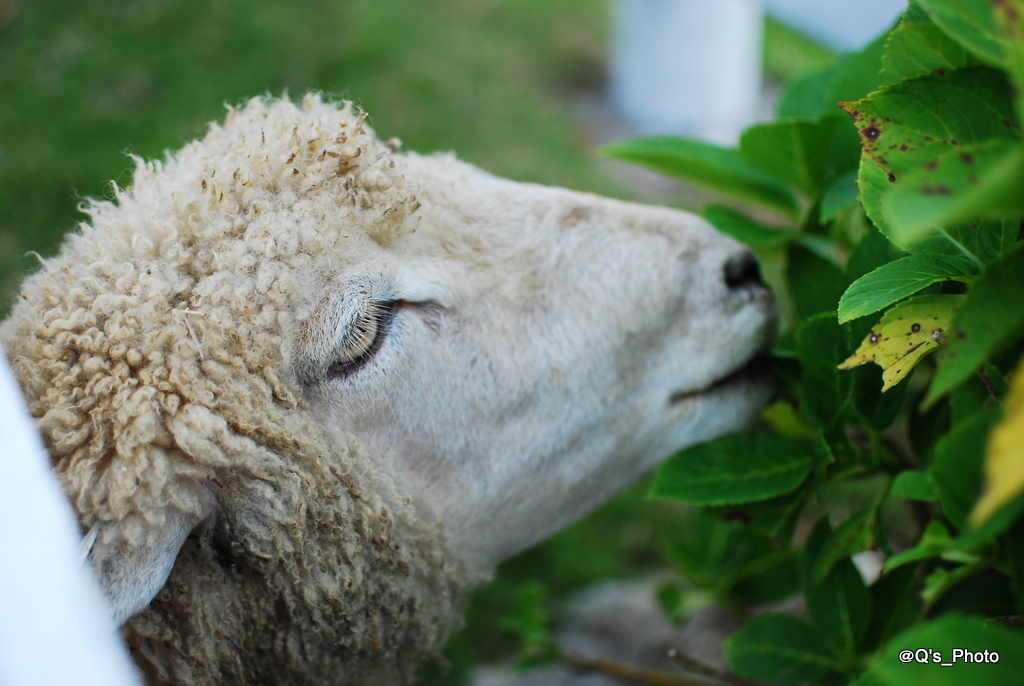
908,125
965,183
911,128
906,333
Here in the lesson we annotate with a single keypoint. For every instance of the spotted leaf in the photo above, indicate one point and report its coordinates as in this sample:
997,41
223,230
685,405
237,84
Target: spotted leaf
966,182
906,126
906,333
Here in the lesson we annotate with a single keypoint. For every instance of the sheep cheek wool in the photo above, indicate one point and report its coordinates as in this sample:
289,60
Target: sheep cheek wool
155,353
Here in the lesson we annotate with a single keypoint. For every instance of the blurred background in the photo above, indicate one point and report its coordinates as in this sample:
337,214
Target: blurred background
528,89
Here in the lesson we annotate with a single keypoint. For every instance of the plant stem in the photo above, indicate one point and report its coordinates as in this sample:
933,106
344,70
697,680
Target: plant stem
644,676
689,664
988,385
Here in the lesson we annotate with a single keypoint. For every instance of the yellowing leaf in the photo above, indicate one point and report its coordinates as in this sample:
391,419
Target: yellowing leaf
906,333
782,418
1004,461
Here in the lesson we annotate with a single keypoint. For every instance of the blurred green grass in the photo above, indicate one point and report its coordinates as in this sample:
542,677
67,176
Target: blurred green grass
83,84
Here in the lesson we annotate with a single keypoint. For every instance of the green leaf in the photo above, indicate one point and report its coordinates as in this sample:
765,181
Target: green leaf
800,152
994,526
873,184
857,73
935,642
915,485
781,649
815,283
746,230
895,604
817,94
897,280
991,317
854,535
876,408
775,518
731,558
914,14
734,469
984,241
967,588
970,23
907,125
978,180
905,334
709,550
821,344
839,196
934,542
781,418
1015,553
823,458
1009,16
808,97
712,166
917,49
841,606
870,253
789,52
967,400
925,425
772,577
957,465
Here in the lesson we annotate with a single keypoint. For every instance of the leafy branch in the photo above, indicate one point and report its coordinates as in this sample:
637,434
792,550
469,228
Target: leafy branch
897,175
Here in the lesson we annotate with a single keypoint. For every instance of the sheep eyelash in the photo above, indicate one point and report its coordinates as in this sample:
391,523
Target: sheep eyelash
364,339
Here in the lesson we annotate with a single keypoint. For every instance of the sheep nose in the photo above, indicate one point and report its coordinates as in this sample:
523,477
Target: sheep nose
741,271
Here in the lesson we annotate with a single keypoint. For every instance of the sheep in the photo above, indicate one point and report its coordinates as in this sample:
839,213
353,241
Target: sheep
305,391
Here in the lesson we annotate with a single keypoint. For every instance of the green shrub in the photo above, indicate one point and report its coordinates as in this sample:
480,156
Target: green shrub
887,201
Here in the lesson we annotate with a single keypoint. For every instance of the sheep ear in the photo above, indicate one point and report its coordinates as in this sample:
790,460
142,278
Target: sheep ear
132,575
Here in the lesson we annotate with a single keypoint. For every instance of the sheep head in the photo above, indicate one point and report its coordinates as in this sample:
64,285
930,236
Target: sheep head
305,390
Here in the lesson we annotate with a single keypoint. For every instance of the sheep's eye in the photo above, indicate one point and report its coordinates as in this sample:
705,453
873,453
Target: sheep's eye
364,339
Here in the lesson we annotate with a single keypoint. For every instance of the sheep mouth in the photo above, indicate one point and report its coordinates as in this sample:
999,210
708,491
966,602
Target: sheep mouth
756,370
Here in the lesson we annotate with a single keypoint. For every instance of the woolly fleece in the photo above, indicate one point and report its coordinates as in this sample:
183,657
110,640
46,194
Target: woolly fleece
155,353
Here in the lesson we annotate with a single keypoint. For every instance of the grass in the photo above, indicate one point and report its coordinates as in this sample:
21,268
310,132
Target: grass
86,83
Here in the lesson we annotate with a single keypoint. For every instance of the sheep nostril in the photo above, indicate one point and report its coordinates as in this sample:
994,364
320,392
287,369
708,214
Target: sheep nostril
741,271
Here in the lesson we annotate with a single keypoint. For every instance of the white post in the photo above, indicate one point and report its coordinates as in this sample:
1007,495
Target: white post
54,625
688,67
